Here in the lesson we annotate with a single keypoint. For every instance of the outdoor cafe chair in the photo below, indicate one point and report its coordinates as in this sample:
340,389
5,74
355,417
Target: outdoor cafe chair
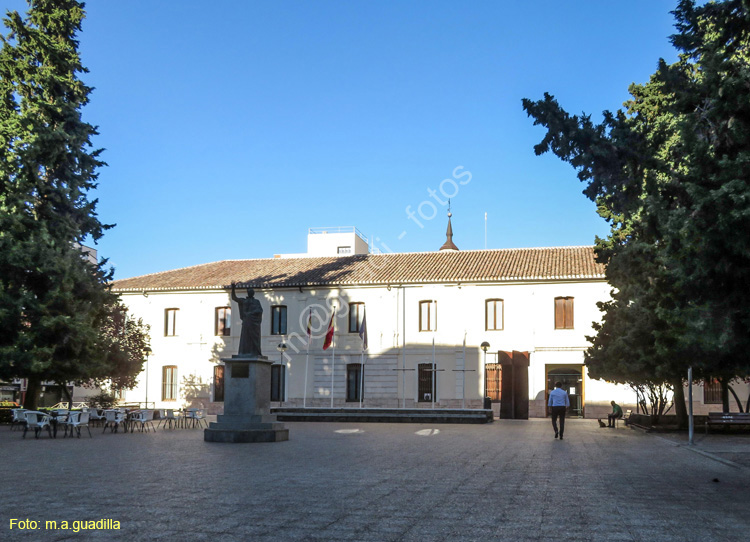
18,417
37,421
94,415
58,417
170,419
82,420
143,417
196,416
67,421
60,413
113,419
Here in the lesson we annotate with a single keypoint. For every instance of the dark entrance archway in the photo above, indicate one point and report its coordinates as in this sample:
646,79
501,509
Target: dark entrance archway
572,382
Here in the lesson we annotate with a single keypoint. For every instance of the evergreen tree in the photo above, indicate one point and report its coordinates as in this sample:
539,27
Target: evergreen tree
53,302
671,175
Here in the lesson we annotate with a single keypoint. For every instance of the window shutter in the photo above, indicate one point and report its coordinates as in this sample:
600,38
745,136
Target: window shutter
559,313
569,313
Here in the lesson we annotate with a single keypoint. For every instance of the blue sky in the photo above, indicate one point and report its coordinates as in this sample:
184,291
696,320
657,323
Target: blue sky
230,128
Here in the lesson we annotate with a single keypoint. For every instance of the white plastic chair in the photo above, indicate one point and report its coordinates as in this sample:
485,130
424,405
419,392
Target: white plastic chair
36,421
67,421
196,415
170,419
94,415
82,420
18,417
113,419
143,418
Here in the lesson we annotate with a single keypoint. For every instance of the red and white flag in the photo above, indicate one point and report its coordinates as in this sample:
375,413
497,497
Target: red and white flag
309,327
329,333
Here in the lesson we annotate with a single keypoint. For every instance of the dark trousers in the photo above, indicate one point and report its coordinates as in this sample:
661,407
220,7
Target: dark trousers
611,418
558,412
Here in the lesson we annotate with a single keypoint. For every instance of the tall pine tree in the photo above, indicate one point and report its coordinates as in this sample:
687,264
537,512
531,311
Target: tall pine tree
54,303
671,173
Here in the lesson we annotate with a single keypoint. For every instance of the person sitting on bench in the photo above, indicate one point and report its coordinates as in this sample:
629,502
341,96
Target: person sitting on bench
616,413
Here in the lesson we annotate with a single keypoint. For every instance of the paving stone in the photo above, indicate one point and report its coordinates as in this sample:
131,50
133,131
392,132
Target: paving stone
509,480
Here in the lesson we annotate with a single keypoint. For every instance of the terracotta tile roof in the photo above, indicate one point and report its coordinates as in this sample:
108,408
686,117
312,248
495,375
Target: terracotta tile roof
507,265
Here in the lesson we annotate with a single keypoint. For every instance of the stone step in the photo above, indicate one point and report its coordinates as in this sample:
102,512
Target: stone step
378,415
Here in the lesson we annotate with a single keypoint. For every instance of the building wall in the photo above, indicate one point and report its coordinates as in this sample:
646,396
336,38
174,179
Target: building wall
528,314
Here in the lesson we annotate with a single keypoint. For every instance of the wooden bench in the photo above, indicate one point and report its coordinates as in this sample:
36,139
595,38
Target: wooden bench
625,417
727,418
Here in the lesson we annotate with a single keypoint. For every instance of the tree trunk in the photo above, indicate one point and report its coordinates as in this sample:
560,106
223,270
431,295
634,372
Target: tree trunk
724,394
680,409
68,396
739,403
31,400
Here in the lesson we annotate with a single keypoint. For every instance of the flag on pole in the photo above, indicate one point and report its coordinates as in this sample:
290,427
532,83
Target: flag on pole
363,330
309,327
329,333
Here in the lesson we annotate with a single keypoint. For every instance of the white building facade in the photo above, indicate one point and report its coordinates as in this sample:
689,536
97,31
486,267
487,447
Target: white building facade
445,329
427,315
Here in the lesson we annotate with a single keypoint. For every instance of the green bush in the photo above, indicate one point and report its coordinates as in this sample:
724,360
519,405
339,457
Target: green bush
102,399
6,414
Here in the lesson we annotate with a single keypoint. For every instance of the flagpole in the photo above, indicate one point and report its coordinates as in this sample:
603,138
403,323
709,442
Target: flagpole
333,357
434,376
361,376
307,362
363,336
307,358
463,377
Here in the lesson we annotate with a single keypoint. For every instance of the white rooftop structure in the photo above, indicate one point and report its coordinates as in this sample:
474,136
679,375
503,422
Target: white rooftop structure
332,241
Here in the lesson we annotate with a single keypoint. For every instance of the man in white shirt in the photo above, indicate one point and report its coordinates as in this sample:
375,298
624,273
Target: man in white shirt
558,403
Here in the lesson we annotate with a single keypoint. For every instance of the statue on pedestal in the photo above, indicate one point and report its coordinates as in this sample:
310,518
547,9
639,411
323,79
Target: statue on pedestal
252,314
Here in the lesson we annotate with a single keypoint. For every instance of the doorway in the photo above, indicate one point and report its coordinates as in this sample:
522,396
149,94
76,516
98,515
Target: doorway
572,382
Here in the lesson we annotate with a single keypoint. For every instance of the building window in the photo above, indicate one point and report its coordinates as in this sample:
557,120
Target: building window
278,320
169,383
427,315
218,383
712,392
223,322
170,322
344,250
563,313
278,375
426,385
356,311
353,382
493,314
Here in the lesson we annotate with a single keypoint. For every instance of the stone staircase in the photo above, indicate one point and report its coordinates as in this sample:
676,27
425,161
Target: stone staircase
382,415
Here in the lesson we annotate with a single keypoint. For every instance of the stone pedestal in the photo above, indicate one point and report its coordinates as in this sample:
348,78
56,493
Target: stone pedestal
247,398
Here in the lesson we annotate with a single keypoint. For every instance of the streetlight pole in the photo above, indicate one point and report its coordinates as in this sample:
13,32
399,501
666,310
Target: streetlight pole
147,352
281,348
485,346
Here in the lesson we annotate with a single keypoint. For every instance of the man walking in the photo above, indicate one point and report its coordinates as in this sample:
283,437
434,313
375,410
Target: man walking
558,403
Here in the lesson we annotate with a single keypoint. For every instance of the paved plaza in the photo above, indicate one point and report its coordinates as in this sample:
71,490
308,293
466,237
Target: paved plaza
509,480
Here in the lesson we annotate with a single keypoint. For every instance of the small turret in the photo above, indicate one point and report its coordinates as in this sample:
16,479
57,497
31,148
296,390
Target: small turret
449,245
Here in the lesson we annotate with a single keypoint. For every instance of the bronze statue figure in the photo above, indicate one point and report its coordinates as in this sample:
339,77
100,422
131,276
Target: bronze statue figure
251,313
